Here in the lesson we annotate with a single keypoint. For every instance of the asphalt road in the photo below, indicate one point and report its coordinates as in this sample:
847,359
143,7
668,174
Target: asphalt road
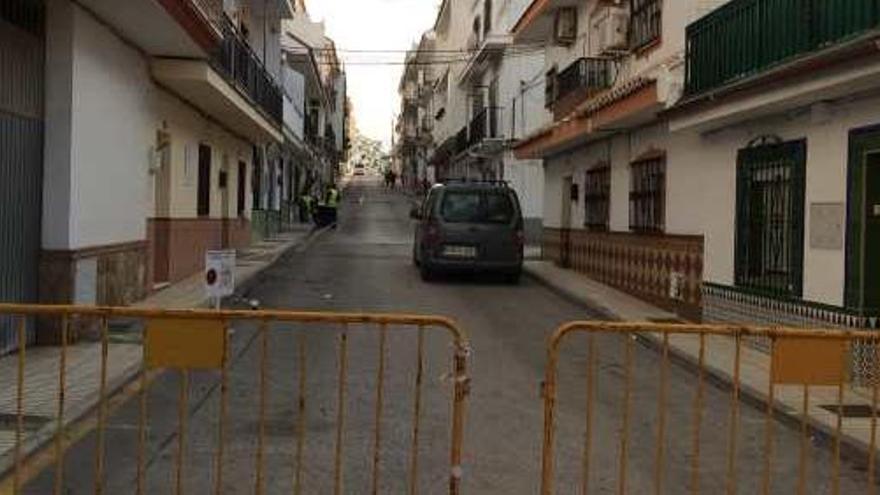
365,265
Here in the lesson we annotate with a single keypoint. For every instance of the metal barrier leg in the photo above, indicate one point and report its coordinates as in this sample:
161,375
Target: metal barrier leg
698,417
102,410
588,430
301,413
380,389
340,410
417,412
734,420
624,431
19,403
62,388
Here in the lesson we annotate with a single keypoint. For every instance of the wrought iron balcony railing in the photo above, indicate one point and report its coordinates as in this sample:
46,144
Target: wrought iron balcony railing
236,61
584,74
743,38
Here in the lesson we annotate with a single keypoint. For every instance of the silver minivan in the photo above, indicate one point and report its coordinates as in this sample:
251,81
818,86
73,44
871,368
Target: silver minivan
474,226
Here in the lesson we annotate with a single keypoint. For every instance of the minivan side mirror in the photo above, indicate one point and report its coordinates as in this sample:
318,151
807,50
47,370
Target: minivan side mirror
415,213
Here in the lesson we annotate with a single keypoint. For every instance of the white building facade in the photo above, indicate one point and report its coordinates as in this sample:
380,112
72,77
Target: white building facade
462,114
741,191
149,132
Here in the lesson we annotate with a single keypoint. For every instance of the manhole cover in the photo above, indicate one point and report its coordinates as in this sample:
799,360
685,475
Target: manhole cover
10,422
850,410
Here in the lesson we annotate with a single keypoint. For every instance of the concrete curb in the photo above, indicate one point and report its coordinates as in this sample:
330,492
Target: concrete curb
41,439
754,397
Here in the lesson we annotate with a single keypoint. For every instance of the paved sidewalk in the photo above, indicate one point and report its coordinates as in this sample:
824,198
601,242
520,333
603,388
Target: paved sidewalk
124,356
719,356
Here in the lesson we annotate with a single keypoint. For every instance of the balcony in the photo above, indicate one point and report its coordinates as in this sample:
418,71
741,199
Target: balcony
745,38
483,50
485,126
240,65
165,28
578,82
232,86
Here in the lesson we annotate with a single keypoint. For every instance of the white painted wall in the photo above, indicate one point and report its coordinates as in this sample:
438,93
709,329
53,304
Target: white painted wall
103,113
705,175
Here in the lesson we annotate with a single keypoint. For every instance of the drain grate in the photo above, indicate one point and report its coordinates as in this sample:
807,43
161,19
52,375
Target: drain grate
850,410
10,422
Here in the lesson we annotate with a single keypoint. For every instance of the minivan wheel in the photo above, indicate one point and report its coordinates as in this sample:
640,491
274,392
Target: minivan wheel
428,274
513,278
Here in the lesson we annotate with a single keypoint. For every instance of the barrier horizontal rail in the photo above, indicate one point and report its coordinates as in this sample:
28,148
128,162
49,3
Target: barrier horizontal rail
194,347
801,361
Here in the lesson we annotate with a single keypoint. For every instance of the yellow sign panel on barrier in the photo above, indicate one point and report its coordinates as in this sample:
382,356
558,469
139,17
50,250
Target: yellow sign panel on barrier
185,343
809,361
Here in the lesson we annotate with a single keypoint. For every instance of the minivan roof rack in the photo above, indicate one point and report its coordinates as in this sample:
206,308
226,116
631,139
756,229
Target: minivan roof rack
465,180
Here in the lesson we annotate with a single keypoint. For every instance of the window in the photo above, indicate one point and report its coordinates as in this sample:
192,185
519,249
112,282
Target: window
645,22
597,197
770,218
487,16
477,207
242,180
647,196
204,186
550,88
257,181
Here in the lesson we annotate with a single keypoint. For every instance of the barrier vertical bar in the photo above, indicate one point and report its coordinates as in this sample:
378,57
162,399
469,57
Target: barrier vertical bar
261,415
340,410
301,413
417,411
698,417
802,463
768,428
588,430
102,409
224,412
377,432
461,390
19,403
181,434
624,432
62,388
661,418
733,432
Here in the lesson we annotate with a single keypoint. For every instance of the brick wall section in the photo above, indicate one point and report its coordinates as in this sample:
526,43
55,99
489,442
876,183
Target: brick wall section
638,264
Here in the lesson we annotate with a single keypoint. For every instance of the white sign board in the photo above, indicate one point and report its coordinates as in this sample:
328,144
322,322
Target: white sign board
220,273
826,225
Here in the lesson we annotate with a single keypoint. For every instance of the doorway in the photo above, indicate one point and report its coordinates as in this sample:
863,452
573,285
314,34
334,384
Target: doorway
863,229
204,192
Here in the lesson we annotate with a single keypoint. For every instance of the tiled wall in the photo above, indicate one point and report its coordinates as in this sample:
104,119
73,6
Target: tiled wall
642,265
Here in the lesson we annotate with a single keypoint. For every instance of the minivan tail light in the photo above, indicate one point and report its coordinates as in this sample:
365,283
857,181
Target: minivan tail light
432,235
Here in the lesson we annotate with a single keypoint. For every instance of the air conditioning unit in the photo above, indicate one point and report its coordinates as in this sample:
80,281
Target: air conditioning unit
610,26
565,26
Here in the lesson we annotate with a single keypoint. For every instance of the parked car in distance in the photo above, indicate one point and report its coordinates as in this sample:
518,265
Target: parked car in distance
472,226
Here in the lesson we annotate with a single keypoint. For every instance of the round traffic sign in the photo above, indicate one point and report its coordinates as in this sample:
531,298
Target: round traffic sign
211,276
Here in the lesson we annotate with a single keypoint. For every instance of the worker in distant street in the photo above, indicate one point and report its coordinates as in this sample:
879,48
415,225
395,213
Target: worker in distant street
331,203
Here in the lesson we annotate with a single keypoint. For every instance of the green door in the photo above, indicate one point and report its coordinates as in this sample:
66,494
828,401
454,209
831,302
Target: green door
871,250
863,227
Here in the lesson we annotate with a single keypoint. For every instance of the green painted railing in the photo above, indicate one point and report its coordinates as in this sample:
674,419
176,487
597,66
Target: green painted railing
745,37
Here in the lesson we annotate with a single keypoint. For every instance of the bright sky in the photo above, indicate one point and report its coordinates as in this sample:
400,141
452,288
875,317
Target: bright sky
374,25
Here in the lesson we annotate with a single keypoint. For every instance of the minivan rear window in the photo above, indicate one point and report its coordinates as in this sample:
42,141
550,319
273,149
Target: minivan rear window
477,207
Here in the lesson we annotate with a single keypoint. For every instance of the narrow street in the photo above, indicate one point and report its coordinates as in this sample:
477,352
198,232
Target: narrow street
365,265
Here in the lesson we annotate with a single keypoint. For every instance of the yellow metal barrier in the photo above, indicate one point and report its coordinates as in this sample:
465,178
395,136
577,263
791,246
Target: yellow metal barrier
802,367
196,346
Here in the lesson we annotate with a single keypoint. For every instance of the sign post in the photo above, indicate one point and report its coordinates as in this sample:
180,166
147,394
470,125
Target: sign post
219,275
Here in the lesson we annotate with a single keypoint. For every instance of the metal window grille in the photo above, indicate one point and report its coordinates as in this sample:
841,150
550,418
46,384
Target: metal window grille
645,22
770,218
597,194
647,197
